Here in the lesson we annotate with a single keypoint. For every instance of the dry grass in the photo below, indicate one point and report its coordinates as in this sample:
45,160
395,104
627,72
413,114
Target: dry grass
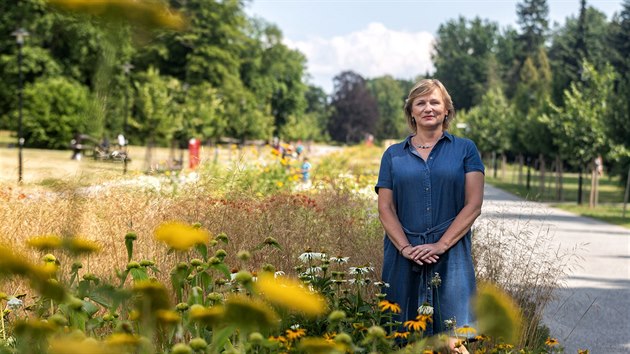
330,221
521,258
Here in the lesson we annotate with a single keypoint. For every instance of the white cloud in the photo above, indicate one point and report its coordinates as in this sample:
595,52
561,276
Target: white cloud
372,52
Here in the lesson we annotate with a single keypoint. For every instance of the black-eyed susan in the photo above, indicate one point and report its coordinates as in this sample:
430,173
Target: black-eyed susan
385,305
401,335
498,316
551,342
45,242
293,334
466,331
180,236
419,324
249,313
290,294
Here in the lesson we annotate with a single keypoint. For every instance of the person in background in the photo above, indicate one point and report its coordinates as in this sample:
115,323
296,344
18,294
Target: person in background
306,170
430,191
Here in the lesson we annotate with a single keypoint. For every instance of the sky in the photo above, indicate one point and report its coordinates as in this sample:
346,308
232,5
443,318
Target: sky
385,37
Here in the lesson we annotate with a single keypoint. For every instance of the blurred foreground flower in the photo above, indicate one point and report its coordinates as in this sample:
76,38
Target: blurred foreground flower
498,316
181,236
145,13
290,294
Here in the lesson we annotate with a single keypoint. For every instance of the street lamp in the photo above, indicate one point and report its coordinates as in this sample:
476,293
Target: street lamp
20,34
127,69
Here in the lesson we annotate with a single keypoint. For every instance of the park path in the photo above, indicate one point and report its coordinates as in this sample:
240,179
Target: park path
593,311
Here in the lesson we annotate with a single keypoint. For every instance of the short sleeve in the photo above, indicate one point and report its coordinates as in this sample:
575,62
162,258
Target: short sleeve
385,172
472,161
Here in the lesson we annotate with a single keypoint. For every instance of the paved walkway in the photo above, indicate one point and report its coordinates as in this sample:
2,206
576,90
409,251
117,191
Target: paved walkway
593,311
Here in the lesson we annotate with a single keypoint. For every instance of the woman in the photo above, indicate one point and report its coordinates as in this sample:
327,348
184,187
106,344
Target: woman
430,191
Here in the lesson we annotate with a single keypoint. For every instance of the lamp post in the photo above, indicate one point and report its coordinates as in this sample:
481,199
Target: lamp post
20,34
127,69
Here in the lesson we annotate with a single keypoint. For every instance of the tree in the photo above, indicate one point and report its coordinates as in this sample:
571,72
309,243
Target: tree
462,50
577,40
488,122
57,109
155,108
532,16
389,96
355,111
578,128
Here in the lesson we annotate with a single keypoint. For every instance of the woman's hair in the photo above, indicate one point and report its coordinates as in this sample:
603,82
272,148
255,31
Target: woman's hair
424,87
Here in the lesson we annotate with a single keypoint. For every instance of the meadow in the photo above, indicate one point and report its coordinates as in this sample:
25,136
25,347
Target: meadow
238,256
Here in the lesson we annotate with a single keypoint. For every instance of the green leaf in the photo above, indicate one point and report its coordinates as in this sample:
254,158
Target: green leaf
203,250
138,274
222,268
89,308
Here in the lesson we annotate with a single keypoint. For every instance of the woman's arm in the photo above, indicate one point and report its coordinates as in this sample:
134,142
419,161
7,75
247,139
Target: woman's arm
463,221
389,219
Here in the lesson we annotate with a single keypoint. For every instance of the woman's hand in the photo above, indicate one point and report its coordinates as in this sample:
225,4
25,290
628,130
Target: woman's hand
424,254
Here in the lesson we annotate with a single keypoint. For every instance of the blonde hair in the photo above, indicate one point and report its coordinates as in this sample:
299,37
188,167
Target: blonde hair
424,87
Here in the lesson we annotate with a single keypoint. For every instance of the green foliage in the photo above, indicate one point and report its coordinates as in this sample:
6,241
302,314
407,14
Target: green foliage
578,129
55,109
462,50
489,123
389,95
157,119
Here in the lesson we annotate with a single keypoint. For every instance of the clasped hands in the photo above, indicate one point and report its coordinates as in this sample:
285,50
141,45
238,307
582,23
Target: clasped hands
423,254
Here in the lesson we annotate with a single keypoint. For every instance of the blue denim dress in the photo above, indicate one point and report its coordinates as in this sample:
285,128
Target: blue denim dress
428,195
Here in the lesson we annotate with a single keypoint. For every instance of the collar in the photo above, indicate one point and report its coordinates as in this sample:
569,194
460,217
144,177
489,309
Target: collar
445,134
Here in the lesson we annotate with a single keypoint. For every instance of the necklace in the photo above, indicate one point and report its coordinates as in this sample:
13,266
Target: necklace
427,146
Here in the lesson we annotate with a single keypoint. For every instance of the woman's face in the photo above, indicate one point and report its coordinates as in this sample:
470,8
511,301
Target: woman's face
429,110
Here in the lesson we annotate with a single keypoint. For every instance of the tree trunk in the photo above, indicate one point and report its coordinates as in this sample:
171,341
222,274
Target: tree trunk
559,195
520,169
541,180
503,165
148,156
592,201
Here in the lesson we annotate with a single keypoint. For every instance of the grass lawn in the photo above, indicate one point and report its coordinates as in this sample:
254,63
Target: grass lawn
611,192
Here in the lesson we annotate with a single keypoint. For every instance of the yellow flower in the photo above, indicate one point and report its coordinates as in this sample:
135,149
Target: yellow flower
77,246
497,314
145,13
72,346
466,331
249,313
583,351
279,339
209,316
117,339
397,334
385,305
420,323
181,236
293,334
45,242
167,316
288,293
551,342
279,184
319,345
330,336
